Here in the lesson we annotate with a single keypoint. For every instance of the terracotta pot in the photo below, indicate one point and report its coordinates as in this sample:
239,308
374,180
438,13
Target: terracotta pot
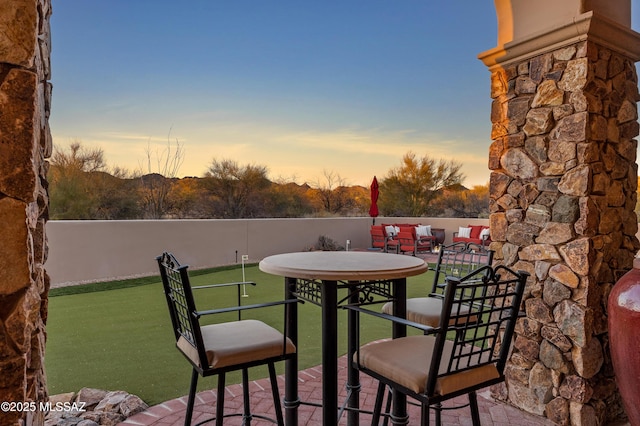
624,339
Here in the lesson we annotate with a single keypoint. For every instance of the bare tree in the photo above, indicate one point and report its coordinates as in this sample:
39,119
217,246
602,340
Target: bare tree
332,193
162,167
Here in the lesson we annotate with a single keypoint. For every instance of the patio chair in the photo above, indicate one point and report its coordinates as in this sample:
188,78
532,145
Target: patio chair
216,349
378,238
465,353
409,242
457,260
390,240
477,234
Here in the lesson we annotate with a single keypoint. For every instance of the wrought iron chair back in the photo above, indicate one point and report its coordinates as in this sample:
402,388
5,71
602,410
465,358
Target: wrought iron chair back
467,351
481,334
215,349
458,260
182,307
455,260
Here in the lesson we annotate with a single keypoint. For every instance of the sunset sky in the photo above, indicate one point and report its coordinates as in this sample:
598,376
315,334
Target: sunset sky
302,87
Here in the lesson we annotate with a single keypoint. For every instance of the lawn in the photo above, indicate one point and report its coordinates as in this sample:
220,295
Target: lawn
121,339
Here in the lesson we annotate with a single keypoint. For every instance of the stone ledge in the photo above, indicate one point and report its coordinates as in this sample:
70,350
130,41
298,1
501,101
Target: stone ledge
92,407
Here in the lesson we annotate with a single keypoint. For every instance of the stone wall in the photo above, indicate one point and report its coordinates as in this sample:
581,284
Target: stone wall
563,192
25,142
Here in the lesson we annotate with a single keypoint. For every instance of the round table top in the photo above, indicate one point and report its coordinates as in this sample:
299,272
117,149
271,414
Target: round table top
343,265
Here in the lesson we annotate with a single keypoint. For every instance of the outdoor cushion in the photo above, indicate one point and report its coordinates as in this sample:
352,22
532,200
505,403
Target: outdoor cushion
464,232
406,361
423,231
377,236
475,231
406,228
426,310
486,232
237,342
466,240
391,230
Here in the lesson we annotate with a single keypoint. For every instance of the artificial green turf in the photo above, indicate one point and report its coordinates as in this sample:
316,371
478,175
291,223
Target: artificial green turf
127,283
122,339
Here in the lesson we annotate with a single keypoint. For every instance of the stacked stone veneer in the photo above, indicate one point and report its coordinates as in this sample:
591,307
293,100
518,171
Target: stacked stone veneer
25,142
563,193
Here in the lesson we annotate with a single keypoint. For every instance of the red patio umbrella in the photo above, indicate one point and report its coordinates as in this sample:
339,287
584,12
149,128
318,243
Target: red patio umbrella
373,210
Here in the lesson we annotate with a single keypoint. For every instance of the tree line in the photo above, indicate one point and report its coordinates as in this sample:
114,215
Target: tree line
83,186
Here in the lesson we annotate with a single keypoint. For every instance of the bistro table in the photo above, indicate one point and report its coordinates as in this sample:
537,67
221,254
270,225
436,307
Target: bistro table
316,277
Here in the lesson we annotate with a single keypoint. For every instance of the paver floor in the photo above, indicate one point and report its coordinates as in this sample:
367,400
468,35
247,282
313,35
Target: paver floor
171,413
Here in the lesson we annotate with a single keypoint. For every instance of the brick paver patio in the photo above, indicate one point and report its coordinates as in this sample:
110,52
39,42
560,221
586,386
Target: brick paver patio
171,413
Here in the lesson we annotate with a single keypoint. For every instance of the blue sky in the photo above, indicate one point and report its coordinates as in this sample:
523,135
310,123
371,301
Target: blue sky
302,87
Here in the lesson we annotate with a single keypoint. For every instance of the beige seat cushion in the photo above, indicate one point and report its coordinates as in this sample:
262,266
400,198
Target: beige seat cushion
426,310
406,361
237,342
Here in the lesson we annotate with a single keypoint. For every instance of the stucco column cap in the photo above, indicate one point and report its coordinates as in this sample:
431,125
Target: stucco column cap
587,26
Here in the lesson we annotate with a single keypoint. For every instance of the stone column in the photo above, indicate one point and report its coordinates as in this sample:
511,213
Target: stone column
563,192
25,142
